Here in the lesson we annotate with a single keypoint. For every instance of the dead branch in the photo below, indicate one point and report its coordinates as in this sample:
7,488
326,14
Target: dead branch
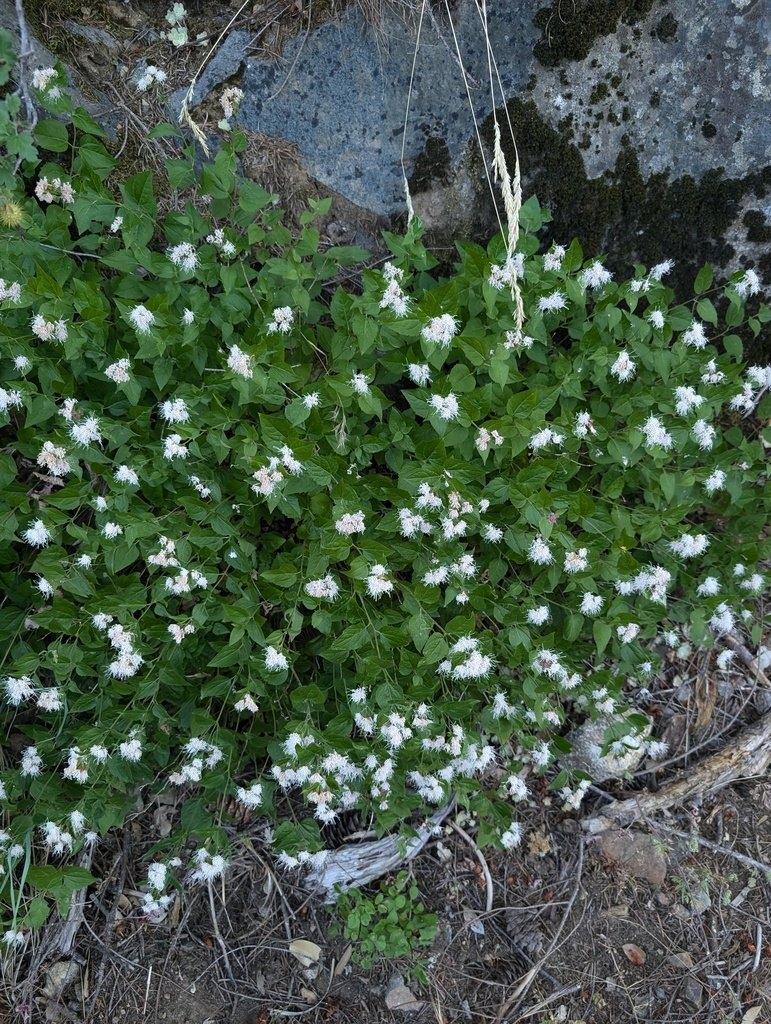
747,754
361,863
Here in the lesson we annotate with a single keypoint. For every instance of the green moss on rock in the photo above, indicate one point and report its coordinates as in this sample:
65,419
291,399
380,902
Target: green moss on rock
569,30
623,215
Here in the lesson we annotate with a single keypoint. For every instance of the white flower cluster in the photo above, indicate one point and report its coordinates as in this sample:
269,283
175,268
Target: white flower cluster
183,256
506,275
275,661
199,755
174,447
151,75
217,239
584,425
378,583
548,663
748,284
688,546
552,303
250,797
128,660
267,478
141,319
10,400
282,321
695,336
652,582
207,867
595,276
230,101
119,371
178,632
518,341
324,589
643,284
656,436
393,296
440,330
687,399
10,291
487,437
543,437
185,581
554,257
49,191
240,362
44,80
19,689
472,663
47,329
624,368
446,406
350,523
37,534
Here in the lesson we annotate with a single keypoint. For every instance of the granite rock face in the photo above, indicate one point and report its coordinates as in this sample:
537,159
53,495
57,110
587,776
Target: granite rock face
642,124
678,89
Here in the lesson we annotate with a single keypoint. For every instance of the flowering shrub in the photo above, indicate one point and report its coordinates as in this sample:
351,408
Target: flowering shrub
265,535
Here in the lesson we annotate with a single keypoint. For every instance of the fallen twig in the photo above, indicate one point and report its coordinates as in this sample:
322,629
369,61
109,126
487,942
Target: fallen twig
481,858
714,847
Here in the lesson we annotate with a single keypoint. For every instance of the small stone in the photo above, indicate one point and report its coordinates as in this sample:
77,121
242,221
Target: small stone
682,960
399,997
693,992
636,854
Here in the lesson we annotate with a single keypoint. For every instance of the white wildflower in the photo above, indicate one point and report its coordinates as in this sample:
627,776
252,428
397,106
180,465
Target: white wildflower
282,321
539,552
183,256
595,276
325,588
142,319
687,400
441,329
419,373
695,336
624,368
240,362
591,604
655,434
350,523
551,303
37,534
174,447
445,406
275,661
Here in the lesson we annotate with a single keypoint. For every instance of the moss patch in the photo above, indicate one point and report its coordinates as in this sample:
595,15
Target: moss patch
570,29
623,215
432,166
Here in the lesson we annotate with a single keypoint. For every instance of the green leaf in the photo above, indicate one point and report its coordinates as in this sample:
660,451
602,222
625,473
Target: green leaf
707,311
703,280
44,877
52,135
38,910
602,633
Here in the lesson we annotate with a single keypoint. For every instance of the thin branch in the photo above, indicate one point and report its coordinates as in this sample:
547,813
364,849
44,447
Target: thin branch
714,847
480,857
218,934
